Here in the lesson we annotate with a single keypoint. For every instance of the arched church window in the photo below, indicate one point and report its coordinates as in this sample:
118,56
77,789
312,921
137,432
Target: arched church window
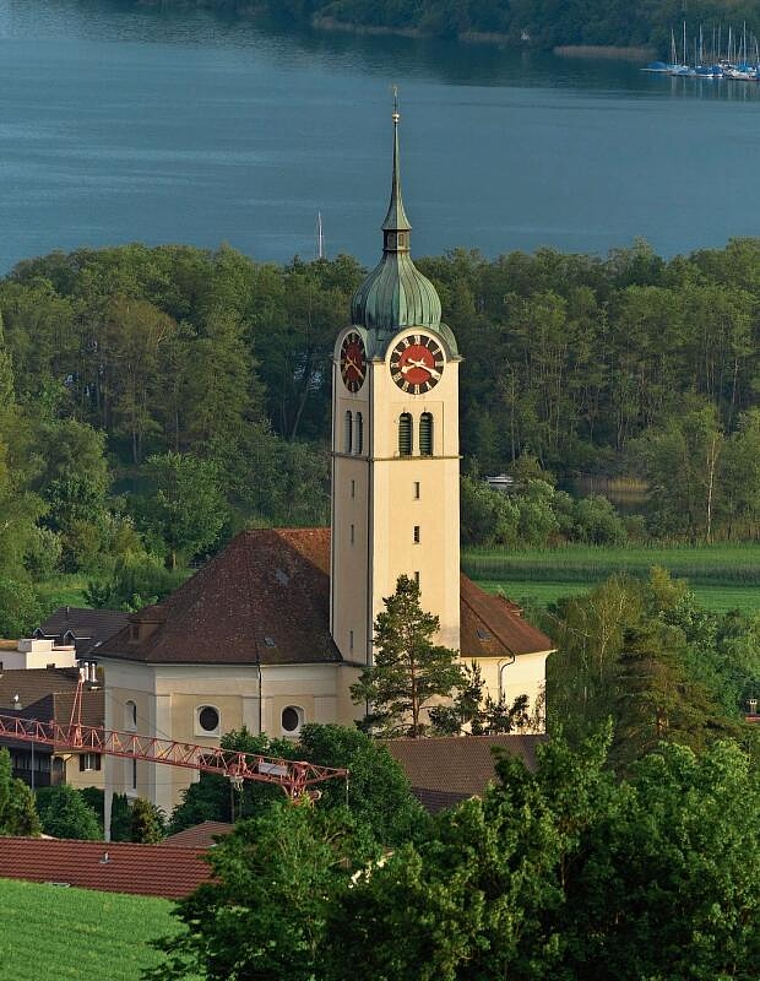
130,712
426,434
359,442
348,432
405,434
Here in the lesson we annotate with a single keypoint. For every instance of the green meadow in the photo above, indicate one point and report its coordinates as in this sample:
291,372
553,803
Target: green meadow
77,935
723,577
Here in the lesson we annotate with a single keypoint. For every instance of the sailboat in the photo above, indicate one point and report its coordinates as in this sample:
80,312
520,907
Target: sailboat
320,238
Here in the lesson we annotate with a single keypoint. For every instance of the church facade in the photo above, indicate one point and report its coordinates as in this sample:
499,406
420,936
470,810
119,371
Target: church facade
272,633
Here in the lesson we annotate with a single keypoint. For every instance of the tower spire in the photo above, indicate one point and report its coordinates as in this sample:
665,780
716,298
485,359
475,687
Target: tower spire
395,220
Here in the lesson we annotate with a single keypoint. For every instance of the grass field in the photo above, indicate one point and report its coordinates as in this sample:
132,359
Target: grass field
723,577
54,934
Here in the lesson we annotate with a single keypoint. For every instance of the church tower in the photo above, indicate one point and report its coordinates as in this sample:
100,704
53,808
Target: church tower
395,446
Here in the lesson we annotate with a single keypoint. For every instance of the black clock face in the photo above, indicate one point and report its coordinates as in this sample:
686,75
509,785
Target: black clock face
417,363
353,363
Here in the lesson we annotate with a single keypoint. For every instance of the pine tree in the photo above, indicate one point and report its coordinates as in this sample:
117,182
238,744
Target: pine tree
409,668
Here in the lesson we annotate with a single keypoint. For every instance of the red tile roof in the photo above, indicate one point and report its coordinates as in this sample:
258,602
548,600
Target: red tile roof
446,769
145,870
266,599
201,835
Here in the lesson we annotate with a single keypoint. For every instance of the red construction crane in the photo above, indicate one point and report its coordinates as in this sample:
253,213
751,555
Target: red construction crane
295,777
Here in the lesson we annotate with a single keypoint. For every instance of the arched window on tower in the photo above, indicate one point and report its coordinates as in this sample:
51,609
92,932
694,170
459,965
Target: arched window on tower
405,434
359,442
348,434
426,434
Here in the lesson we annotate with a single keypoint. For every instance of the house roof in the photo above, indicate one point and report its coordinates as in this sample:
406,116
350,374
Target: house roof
201,835
48,696
31,686
144,870
265,599
58,707
444,770
86,629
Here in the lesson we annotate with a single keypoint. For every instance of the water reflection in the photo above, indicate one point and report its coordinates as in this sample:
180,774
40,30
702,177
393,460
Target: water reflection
442,61
125,123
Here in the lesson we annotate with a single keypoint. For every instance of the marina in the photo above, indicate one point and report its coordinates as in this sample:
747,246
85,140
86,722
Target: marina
712,63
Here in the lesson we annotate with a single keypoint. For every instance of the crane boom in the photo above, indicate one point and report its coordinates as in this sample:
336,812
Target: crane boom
295,777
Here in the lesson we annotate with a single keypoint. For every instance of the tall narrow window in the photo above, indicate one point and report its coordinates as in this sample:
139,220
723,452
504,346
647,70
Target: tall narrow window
405,434
426,434
353,488
416,490
417,578
359,442
416,534
352,535
349,432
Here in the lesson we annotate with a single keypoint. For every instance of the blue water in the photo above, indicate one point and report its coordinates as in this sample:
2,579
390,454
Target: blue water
120,124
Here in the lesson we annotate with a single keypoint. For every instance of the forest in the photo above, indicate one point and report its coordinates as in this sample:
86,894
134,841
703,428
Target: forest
154,401
538,23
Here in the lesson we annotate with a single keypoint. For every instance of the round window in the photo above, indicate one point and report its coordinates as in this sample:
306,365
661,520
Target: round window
291,719
208,719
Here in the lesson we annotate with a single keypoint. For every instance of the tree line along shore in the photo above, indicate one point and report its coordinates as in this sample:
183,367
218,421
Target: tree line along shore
524,23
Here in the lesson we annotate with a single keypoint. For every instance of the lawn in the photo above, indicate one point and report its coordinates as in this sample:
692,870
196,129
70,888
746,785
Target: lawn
723,577
78,935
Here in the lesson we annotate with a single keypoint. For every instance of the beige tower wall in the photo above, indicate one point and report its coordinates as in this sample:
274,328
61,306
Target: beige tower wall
374,519
350,607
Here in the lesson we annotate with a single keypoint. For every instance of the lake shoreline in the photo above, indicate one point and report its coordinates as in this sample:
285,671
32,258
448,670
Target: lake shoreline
253,11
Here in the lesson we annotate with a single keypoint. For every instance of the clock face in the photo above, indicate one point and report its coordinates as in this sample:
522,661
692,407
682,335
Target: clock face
417,363
353,364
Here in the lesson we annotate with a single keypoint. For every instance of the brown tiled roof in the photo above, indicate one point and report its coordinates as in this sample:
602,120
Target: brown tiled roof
53,706
266,599
32,685
201,835
57,707
446,769
492,626
86,629
144,870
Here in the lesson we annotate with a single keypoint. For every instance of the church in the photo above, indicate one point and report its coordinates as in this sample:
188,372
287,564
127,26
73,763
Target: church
274,630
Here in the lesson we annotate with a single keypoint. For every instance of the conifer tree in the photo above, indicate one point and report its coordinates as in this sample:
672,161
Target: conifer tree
409,669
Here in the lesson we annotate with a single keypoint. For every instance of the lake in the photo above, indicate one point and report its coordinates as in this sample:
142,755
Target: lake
121,124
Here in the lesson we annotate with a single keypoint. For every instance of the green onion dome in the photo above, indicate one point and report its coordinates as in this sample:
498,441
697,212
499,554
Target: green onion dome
396,294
